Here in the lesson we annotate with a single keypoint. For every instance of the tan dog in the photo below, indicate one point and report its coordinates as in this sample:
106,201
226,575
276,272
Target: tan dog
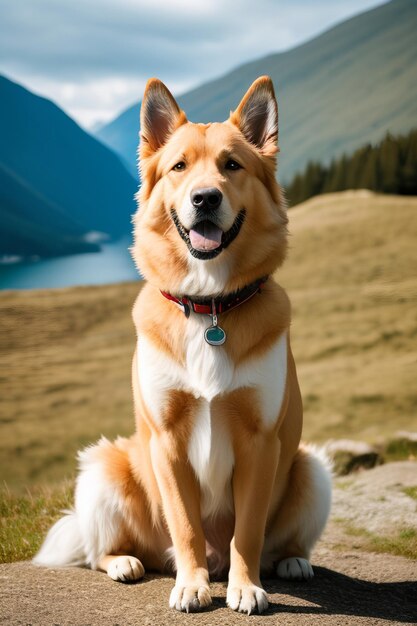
214,478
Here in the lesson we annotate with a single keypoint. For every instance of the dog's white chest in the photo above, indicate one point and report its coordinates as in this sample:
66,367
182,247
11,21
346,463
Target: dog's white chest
209,369
211,456
208,372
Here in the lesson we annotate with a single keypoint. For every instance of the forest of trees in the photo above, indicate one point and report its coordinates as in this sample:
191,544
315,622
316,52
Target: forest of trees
388,167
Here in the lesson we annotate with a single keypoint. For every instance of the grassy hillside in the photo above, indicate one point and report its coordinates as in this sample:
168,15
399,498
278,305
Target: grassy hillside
351,275
336,92
65,376
66,354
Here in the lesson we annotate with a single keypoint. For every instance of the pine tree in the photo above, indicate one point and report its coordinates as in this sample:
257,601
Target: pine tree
389,162
369,177
409,168
294,190
338,181
390,167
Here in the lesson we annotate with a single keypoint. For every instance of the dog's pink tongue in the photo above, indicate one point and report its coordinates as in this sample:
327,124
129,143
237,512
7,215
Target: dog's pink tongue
206,236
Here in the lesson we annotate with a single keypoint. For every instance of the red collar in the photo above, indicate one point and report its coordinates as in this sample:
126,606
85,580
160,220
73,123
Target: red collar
221,304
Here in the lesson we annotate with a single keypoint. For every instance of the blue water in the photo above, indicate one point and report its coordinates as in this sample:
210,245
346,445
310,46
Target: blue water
112,265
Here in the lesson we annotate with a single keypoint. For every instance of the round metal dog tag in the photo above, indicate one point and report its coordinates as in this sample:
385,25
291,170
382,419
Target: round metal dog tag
215,336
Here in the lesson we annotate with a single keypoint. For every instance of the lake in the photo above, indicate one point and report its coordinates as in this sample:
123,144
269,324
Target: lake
112,265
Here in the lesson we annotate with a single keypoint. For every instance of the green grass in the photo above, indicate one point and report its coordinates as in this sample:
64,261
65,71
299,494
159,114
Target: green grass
25,519
403,543
344,484
411,492
400,448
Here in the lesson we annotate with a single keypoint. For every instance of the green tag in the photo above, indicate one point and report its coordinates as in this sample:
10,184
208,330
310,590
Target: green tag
215,336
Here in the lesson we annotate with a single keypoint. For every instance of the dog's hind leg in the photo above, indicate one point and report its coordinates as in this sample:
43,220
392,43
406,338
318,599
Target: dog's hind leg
301,517
121,536
111,527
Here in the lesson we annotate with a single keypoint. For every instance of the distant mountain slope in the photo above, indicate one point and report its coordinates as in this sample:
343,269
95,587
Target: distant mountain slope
64,166
346,87
32,226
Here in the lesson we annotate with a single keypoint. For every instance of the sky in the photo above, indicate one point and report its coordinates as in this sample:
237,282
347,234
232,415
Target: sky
93,57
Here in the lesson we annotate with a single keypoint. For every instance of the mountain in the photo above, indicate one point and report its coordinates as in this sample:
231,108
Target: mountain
32,226
59,181
342,89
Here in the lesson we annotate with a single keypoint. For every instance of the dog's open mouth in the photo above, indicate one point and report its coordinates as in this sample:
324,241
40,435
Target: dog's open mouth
205,240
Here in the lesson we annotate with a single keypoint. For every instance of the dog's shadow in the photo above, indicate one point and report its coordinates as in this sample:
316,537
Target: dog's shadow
332,593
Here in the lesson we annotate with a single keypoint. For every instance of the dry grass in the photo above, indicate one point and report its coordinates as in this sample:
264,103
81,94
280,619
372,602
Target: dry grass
65,377
351,275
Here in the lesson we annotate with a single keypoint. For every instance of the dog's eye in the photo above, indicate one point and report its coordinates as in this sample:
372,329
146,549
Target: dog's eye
233,165
179,167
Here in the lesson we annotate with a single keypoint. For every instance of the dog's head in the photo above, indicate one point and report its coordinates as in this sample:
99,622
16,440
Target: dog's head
211,216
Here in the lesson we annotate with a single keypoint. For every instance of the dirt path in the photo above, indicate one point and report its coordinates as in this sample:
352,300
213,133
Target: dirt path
351,586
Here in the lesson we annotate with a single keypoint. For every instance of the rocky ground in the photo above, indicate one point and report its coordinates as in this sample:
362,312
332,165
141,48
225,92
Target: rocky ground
351,584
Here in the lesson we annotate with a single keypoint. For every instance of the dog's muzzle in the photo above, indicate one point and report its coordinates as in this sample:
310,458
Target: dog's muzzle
205,239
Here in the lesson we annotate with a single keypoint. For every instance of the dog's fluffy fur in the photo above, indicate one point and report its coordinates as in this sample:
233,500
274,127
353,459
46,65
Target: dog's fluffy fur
214,479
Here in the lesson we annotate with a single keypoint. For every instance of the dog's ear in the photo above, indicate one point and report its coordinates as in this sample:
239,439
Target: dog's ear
257,116
160,115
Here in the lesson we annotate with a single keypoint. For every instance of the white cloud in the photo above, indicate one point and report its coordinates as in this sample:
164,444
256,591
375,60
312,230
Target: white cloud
93,57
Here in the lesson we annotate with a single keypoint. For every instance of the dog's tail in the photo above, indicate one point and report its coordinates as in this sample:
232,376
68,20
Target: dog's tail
63,544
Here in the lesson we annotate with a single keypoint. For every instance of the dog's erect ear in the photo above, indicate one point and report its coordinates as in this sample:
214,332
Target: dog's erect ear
160,115
257,116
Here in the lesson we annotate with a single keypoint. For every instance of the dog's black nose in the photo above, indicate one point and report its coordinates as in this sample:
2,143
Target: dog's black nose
206,198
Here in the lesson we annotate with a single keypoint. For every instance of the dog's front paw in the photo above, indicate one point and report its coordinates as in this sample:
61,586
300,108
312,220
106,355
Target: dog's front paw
190,598
125,569
246,598
295,568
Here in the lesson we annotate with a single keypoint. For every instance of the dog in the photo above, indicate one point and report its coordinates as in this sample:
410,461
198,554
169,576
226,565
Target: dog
214,480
